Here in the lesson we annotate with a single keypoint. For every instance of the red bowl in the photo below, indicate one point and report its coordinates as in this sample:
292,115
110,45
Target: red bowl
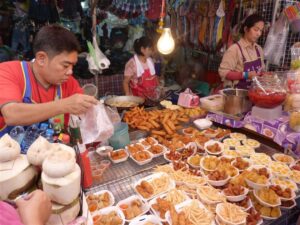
266,100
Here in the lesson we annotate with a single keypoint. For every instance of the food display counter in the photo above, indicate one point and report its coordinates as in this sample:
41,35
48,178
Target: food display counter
125,179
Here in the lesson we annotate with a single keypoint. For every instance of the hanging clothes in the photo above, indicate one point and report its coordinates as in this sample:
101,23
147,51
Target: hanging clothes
154,10
43,11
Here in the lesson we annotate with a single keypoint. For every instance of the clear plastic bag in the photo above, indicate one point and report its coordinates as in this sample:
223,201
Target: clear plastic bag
275,44
295,56
95,125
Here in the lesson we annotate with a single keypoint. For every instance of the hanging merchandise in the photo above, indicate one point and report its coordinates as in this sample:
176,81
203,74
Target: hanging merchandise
219,24
134,32
204,22
214,5
153,12
293,14
130,8
192,17
275,44
96,59
228,18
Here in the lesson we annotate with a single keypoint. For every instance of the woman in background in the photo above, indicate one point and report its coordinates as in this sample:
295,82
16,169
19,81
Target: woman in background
244,60
139,76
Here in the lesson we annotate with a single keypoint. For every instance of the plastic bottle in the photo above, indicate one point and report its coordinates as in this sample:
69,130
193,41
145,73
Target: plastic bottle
31,134
85,166
17,133
57,126
49,135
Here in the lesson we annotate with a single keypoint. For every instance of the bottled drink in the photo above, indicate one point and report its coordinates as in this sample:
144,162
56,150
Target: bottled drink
49,135
31,134
17,133
57,126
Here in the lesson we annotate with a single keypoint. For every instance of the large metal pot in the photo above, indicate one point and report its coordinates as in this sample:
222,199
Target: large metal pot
236,101
124,102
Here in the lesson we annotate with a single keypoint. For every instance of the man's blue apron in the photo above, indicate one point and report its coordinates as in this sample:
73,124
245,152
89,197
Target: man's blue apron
27,98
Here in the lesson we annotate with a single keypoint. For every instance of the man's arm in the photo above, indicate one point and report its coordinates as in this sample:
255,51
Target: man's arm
27,114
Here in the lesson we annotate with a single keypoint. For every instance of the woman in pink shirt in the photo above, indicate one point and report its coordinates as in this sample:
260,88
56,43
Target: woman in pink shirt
139,76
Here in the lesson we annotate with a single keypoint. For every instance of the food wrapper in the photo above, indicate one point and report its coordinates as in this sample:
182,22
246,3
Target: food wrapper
95,125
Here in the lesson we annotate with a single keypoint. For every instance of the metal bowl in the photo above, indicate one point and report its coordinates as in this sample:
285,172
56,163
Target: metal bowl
124,102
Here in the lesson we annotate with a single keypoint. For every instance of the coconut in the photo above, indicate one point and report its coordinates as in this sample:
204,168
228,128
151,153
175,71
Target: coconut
38,151
19,178
64,214
65,189
9,149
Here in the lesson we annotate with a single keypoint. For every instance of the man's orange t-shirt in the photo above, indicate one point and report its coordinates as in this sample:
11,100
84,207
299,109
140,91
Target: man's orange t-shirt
12,85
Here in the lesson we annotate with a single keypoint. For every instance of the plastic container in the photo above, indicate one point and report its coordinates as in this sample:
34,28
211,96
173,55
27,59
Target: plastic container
90,89
202,123
121,159
107,210
120,137
278,202
237,198
212,142
213,102
17,133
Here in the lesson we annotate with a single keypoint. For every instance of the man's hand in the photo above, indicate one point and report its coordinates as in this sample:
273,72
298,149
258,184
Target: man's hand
34,208
78,103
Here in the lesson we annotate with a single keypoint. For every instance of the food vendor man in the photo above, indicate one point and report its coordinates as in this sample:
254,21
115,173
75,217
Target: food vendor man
139,75
32,92
244,59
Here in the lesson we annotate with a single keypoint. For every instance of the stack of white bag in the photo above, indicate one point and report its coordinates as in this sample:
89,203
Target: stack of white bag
60,178
16,174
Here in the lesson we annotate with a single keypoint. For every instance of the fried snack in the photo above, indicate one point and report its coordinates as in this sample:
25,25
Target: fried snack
185,176
175,196
164,168
145,189
223,133
173,155
280,169
217,175
234,190
244,203
273,212
210,162
210,193
116,155
283,158
239,180
241,164
156,149
227,168
296,176
232,213
102,201
160,184
132,210
189,131
231,153
141,156
282,192
260,158
255,177
253,217
134,148
285,182
214,148
180,165
195,160
238,136
268,195
200,139
162,206
111,218
197,215
244,150
187,152
232,142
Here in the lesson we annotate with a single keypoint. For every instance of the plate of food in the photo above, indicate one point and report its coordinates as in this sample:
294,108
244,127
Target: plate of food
99,200
280,169
284,182
238,136
235,193
172,156
245,151
213,147
260,158
284,193
267,197
194,161
157,150
142,157
209,163
104,216
146,220
134,148
251,143
148,141
210,195
231,214
118,156
217,178
283,158
231,142
241,163
153,185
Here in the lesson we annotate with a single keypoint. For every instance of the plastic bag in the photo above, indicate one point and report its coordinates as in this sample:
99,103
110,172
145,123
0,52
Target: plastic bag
276,41
295,56
95,125
188,99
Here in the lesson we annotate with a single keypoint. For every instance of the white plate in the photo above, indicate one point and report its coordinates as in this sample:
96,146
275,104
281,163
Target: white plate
237,198
143,162
212,142
119,160
107,210
184,204
111,198
145,207
265,203
141,220
149,179
218,208
202,123
163,196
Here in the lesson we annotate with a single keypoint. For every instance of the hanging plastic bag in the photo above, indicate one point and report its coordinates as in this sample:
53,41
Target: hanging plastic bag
96,59
95,125
276,41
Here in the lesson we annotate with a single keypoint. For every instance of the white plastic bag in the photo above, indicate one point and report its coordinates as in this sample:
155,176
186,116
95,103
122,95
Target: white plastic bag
95,125
276,41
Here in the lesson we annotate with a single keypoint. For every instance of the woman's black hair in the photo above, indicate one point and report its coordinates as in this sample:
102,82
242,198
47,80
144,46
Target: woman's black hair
144,42
250,22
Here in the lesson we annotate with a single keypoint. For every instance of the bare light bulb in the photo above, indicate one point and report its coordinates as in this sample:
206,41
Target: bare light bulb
166,44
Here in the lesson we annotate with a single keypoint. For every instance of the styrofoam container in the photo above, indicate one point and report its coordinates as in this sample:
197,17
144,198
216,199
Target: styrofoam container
260,167
218,183
127,149
143,162
290,207
293,195
111,198
145,207
202,123
204,198
104,150
218,208
163,196
244,159
202,163
192,165
271,218
256,185
184,204
212,142
237,198
147,146
107,210
210,135
278,203
166,158
119,160
141,220
149,179
293,186
163,151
